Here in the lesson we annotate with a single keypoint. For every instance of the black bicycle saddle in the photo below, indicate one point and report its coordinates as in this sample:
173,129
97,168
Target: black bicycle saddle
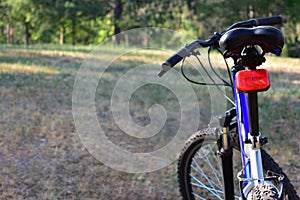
269,38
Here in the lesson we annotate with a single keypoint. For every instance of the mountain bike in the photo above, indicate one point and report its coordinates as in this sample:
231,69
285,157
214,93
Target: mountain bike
208,161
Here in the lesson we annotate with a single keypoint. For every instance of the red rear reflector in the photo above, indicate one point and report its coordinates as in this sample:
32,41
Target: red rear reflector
252,80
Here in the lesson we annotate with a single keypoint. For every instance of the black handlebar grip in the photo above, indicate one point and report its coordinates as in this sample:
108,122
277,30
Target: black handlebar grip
268,20
172,61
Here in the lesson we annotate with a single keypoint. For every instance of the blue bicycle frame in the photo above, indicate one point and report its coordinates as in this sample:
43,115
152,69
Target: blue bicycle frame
243,123
251,156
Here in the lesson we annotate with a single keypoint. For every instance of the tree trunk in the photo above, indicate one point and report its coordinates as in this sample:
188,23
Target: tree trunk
118,9
10,34
27,34
61,35
145,41
73,31
126,40
2,31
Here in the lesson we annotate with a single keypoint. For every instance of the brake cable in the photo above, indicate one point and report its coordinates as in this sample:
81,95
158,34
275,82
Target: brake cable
203,83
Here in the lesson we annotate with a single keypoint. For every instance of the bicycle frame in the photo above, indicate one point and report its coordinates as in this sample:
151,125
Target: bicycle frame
242,121
239,42
247,121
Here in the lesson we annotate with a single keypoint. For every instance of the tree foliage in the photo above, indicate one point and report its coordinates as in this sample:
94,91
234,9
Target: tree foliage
92,21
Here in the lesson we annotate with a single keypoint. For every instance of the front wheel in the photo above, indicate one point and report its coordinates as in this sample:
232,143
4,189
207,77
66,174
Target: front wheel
199,168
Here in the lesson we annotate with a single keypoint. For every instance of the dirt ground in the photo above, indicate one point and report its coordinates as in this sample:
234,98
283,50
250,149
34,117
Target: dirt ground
42,156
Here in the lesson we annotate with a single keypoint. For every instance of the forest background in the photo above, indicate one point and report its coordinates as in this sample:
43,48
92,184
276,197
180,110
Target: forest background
85,22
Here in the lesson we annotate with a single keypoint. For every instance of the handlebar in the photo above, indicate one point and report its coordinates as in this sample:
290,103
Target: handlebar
187,49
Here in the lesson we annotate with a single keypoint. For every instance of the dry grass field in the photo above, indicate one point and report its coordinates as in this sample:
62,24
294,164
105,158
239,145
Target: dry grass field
42,157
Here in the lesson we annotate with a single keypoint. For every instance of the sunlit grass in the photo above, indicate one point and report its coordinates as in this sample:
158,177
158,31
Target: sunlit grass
145,56
282,64
30,69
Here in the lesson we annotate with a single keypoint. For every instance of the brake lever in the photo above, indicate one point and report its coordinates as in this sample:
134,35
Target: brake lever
195,53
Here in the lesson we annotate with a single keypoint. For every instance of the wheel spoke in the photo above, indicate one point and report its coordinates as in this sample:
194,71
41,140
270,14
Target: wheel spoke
213,191
218,161
199,169
200,184
217,174
214,184
199,197
207,160
205,177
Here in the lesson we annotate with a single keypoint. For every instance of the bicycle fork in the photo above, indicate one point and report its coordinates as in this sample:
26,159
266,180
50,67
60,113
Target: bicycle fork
226,154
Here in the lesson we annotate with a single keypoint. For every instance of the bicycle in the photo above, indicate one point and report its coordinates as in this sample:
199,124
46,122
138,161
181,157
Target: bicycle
207,156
